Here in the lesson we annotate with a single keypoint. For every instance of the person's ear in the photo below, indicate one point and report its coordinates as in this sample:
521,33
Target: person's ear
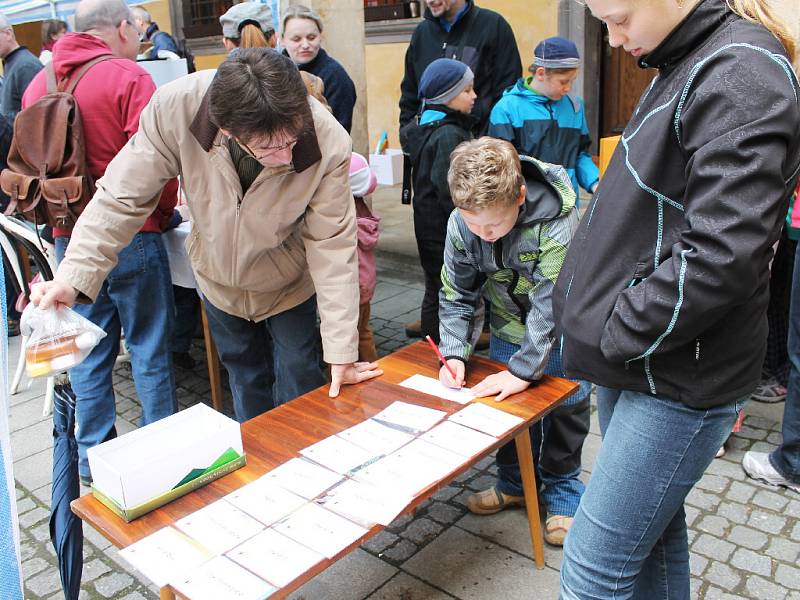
224,131
273,40
522,192
540,74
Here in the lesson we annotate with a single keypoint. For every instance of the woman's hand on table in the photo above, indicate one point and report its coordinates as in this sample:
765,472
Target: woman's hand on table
503,384
351,373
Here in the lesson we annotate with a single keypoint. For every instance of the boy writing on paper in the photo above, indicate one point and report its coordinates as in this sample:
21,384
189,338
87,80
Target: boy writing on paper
514,219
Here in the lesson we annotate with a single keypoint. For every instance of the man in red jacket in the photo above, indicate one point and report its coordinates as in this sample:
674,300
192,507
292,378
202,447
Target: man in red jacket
137,295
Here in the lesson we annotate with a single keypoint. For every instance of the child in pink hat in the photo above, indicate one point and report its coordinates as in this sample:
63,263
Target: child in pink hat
363,183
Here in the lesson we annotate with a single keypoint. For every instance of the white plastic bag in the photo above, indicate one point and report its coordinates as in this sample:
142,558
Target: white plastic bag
57,339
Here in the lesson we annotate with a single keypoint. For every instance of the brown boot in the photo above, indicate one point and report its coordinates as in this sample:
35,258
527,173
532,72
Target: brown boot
414,329
491,501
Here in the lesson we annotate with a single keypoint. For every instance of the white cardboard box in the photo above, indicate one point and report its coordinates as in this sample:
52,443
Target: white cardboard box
388,167
148,467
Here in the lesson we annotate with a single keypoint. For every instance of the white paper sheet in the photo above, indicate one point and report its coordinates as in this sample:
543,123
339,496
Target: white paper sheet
265,500
434,387
274,557
365,504
222,578
303,477
411,469
327,532
219,526
410,416
376,437
338,454
166,555
459,439
486,419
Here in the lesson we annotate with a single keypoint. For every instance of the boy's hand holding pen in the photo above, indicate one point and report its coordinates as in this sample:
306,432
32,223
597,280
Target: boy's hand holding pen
452,372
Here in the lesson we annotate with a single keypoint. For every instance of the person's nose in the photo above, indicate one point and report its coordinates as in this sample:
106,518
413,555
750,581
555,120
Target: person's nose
283,156
615,37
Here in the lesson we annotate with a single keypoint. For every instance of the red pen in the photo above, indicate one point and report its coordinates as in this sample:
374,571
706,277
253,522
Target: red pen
441,358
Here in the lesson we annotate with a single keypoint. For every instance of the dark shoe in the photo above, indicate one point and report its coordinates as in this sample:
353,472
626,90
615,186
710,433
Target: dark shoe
414,329
13,328
183,360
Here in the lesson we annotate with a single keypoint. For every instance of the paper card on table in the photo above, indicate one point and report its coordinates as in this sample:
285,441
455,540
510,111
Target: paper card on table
411,469
222,578
219,526
365,504
275,557
338,454
410,416
166,555
461,440
486,419
327,532
265,500
376,437
303,477
434,387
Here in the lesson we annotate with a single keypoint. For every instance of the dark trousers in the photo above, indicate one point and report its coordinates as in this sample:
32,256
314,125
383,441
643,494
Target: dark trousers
261,374
430,229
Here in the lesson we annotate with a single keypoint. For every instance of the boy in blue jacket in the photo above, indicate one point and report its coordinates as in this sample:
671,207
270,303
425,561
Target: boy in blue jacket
541,119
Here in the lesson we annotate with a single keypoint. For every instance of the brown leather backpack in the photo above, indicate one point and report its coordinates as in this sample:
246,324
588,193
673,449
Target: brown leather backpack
47,177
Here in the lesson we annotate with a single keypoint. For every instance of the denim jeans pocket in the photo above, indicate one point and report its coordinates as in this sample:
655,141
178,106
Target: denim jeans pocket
131,261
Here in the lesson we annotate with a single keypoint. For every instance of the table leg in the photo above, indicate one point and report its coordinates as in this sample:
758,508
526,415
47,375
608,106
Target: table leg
213,362
530,489
166,593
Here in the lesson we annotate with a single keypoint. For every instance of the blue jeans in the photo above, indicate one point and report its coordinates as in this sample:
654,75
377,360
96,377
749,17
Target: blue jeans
629,538
786,459
557,442
187,314
136,297
271,362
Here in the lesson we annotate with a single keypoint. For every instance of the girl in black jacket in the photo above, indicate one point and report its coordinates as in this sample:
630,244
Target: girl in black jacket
662,298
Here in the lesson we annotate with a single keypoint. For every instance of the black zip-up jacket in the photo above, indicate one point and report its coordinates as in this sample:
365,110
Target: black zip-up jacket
482,39
665,286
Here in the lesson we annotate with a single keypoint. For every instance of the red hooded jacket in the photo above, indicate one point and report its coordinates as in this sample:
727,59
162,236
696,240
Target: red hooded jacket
110,96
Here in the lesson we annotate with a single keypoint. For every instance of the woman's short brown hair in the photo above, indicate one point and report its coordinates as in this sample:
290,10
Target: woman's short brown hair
484,173
258,92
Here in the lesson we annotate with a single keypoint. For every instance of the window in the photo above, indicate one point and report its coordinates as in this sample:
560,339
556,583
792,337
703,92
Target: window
385,10
201,17
389,21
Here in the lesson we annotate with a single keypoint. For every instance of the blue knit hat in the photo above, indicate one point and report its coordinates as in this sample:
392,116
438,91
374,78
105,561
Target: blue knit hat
443,80
556,53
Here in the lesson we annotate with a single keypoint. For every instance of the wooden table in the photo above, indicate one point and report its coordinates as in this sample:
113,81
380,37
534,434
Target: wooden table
277,436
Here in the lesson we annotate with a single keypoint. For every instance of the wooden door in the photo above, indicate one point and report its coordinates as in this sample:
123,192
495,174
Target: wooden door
622,83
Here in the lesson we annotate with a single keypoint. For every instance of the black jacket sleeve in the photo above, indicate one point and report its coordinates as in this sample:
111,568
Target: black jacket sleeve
737,129
409,103
18,83
342,98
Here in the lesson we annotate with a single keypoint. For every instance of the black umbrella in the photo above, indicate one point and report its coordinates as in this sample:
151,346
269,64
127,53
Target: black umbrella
65,527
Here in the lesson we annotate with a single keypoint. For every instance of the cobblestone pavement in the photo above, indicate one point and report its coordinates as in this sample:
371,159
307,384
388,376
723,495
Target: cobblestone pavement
745,537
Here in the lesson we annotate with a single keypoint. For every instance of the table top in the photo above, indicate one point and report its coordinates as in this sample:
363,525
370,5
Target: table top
278,435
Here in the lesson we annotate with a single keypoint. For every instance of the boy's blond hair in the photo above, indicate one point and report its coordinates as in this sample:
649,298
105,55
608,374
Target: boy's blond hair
484,173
